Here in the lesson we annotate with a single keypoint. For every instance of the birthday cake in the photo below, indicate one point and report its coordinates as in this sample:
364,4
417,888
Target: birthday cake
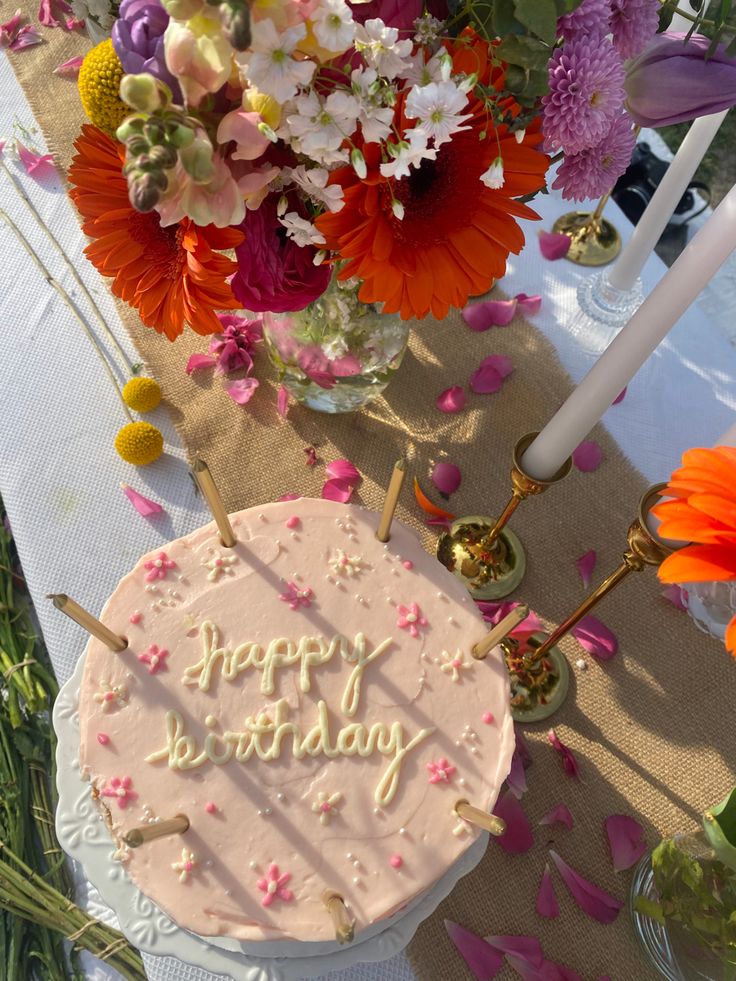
309,701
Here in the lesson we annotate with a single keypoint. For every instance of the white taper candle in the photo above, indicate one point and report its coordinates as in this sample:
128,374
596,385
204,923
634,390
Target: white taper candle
665,199
618,364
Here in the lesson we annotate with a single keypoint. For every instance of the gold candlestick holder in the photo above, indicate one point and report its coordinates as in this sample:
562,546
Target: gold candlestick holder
538,668
485,555
594,241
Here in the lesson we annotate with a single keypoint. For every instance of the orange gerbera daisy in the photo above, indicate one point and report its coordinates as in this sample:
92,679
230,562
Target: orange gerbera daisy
173,276
456,234
702,511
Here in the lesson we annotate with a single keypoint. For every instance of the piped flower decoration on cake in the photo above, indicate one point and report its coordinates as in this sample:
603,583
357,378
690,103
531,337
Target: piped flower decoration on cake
440,771
297,596
158,568
346,565
220,565
186,865
326,805
273,885
121,789
111,697
453,664
154,658
411,618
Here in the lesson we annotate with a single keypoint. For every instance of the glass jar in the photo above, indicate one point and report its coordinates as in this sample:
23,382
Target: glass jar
338,353
711,605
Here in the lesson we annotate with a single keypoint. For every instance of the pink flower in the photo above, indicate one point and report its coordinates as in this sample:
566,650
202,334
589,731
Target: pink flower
273,885
199,54
297,596
441,771
594,170
233,348
633,25
242,128
155,658
119,787
214,201
158,567
589,19
410,618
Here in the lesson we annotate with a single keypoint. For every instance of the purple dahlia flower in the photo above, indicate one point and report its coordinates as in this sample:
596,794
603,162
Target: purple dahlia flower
633,25
590,20
593,172
138,39
586,92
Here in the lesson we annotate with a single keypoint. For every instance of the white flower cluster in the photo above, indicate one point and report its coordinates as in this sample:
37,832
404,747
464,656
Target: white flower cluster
96,13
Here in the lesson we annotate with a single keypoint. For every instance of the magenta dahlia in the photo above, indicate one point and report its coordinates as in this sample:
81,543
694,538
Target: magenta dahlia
586,92
590,20
593,171
633,25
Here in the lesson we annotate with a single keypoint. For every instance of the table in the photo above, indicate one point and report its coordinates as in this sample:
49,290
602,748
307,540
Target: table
59,471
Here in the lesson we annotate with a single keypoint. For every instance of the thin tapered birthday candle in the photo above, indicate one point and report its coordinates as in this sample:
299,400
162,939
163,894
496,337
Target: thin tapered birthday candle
159,829
206,484
91,624
341,920
501,630
481,819
392,499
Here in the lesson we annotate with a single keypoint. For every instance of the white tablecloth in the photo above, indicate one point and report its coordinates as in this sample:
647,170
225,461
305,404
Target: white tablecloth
60,476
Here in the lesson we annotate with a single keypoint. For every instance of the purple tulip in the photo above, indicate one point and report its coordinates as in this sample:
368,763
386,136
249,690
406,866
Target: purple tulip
671,82
138,39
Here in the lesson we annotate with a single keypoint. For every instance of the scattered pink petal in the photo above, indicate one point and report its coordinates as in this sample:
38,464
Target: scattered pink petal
528,949
143,505
547,970
569,763
2,146
595,637
446,477
197,361
50,10
282,401
494,611
585,566
518,836
439,522
558,815
70,68
621,396
311,456
289,497
242,390
592,900
337,490
37,165
27,36
554,245
546,899
529,304
484,962
451,400
626,840
520,760
676,595
489,313
588,456
489,376
503,365
9,30
345,471
74,24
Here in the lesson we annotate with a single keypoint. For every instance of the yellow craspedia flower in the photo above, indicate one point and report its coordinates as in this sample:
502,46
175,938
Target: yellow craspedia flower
99,88
142,394
139,443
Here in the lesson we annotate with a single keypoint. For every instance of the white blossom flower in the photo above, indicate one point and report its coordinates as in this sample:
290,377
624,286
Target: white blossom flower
375,117
333,25
268,62
493,177
314,184
427,29
438,107
300,230
421,72
408,153
318,128
381,48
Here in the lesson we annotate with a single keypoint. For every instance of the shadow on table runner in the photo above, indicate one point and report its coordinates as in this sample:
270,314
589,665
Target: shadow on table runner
650,728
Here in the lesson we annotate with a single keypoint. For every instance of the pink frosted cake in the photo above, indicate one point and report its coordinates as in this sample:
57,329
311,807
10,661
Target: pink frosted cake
309,701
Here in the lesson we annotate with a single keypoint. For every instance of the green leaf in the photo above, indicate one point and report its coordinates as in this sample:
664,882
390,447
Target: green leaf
525,51
539,16
503,19
647,907
719,824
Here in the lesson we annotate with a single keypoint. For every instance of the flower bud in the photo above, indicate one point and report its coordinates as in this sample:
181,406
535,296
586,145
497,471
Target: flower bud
398,209
141,92
283,204
164,157
237,25
154,131
179,135
143,193
197,160
183,9
267,132
358,161
131,125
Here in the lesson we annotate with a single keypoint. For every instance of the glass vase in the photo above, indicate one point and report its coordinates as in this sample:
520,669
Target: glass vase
711,605
338,353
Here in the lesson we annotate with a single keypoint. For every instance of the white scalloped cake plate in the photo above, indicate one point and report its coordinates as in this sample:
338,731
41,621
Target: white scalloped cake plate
85,838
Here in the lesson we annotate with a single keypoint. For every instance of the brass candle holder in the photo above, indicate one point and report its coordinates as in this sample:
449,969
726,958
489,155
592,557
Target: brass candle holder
594,241
539,670
485,555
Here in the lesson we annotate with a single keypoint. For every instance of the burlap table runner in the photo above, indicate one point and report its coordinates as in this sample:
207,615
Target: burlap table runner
653,729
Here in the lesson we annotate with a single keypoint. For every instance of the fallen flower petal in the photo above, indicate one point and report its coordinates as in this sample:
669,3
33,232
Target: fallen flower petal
592,900
344,470
439,522
446,477
282,402
75,24
143,505
558,815
451,400
486,380
69,68
587,457
37,165
520,760
289,497
625,839
337,490
428,507
26,37
528,948
9,30
197,361
518,836
503,365
585,566
676,595
529,304
243,390
483,961
489,313
311,456
569,763
554,245
621,396
50,10
595,637
546,899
